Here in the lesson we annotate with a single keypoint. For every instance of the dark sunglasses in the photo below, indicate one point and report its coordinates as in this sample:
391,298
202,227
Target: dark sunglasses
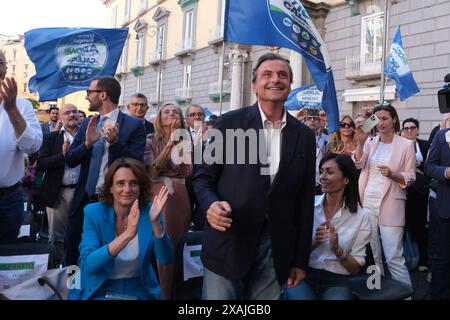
347,125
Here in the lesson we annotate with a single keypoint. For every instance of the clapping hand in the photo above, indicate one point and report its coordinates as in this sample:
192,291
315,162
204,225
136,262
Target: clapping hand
159,201
92,135
322,233
133,219
334,238
65,147
8,93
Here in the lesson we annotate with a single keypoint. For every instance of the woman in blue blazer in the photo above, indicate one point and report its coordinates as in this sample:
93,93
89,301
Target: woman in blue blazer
121,233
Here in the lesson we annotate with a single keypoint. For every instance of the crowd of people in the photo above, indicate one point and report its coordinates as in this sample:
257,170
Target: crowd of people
293,224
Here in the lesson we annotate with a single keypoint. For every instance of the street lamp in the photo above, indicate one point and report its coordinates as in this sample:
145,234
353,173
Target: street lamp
153,31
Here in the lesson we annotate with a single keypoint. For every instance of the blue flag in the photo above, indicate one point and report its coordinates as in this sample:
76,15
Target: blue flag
285,24
67,59
308,96
397,68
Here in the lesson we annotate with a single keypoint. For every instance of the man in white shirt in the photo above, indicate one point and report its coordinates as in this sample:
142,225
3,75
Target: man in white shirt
195,116
138,108
20,134
59,183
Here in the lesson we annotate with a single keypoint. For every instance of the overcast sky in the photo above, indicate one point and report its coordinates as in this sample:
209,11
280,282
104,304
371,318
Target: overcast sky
19,16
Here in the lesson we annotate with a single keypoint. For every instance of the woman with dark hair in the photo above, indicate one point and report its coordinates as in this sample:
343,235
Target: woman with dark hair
341,233
165,171
343,141
121,233
388,166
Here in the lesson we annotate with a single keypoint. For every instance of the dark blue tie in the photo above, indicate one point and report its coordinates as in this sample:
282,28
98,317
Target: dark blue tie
96,161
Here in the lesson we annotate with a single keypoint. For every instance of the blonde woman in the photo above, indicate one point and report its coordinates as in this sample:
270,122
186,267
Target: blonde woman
163,171
343,141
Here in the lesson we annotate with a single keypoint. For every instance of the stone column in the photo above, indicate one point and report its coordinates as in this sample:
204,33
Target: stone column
237,57
297,68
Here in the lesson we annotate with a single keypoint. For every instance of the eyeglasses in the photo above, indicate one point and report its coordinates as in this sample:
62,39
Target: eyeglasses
136,104
312,118
193,114
347,125
410,128
69,112
88,92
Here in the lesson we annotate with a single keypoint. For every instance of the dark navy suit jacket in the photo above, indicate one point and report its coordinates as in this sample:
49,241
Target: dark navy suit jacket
437,162
288,202
131,144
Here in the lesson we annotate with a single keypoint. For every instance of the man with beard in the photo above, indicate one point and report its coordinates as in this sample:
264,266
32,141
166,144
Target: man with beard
99,142
59,182
53,124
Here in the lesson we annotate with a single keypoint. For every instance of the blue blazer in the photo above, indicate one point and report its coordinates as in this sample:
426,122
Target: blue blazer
131,144
96,263
438,160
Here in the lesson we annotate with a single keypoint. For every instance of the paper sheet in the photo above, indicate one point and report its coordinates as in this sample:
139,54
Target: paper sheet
192,264
16,269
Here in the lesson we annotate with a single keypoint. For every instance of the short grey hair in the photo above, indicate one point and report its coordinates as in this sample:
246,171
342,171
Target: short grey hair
140,96
192,105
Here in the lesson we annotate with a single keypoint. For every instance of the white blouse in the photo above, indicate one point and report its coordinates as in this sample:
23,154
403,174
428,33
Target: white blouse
353,234
126,263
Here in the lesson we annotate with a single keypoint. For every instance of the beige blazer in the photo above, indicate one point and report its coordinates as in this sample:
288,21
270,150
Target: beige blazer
393,199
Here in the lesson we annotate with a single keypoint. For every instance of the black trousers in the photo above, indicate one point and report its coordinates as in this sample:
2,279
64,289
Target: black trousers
74,231
440,280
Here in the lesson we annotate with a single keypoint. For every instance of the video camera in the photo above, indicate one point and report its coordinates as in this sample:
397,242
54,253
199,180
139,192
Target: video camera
444,96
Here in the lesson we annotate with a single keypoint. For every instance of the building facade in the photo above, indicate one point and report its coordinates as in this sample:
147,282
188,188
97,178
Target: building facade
174,53
353,36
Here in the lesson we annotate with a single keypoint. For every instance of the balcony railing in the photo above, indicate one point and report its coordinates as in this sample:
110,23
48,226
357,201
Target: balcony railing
355,69
214,91
185,47
216,35
183,95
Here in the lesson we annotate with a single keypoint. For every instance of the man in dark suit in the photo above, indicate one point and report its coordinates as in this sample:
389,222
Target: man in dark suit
59,182
99,141
417,195
138,108
54,124
259,213
438,167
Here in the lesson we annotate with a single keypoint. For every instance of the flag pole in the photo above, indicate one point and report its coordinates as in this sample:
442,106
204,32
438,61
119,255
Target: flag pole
221,78
383,57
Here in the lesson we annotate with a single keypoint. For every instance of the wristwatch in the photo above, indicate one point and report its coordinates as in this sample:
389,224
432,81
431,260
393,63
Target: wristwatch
156,166
343,255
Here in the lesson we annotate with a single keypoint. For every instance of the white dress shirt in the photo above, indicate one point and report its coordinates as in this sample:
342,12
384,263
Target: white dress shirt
13,150
110,117
272,133
353,234
70,174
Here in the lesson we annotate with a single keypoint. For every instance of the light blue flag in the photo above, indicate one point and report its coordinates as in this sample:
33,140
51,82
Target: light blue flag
285,23
308,96
67,59
397,68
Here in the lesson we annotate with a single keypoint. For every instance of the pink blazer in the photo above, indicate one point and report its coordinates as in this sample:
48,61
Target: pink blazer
393,199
